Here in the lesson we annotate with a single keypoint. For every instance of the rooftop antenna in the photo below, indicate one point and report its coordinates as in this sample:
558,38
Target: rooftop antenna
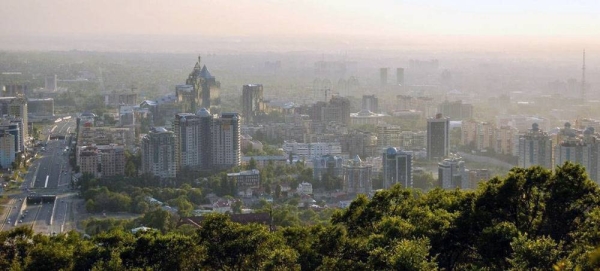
583,79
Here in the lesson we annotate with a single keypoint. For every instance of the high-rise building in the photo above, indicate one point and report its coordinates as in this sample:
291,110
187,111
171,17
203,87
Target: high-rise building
225,133
14,127
203,90
388,136
579,149
7,149
478,135
331,164
337,110
252,102
383,76
16,107
400,76
205,142
438,134
50,82
535,148
456,110
112,160
158,153
452,174
507,140
370,103
188,152
356,176
397,168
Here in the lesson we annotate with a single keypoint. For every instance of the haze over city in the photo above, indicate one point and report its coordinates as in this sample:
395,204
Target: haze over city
299,135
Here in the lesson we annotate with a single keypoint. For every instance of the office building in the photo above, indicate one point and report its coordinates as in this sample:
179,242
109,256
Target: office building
383,77
456,110
535,148
252,102
246,182
370,103
14,127
397,168
438,134
309,150
452,173
356,176
331,164
50,82
158,153
400,76
41,107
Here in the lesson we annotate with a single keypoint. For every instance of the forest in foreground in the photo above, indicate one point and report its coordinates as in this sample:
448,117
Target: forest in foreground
530,219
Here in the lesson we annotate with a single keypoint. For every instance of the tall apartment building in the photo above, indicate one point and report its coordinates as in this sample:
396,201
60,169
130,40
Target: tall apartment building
226,147
438,137
397,168
580,149
158,153
479,135
252,102
16,107
535,148
7,149
507,140
205,141
356,176
452,174
14,127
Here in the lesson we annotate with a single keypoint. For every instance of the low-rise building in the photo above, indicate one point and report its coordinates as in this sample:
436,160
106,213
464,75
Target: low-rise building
246,181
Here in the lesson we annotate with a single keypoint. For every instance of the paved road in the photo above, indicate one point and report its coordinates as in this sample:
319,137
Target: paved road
48,175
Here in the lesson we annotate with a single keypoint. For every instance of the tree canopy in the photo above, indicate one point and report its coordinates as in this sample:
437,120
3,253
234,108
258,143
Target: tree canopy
530,219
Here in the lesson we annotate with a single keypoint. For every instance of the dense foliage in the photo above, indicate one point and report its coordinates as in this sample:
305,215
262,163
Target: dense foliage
532,219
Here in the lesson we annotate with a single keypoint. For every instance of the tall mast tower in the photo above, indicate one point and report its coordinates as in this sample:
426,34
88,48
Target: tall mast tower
583,79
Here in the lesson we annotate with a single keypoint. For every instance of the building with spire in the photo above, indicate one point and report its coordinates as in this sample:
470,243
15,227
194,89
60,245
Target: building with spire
201,90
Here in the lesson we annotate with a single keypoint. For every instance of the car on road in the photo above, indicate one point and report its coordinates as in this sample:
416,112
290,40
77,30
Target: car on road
20,221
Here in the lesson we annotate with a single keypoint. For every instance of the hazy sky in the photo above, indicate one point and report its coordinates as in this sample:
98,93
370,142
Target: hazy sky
574,20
